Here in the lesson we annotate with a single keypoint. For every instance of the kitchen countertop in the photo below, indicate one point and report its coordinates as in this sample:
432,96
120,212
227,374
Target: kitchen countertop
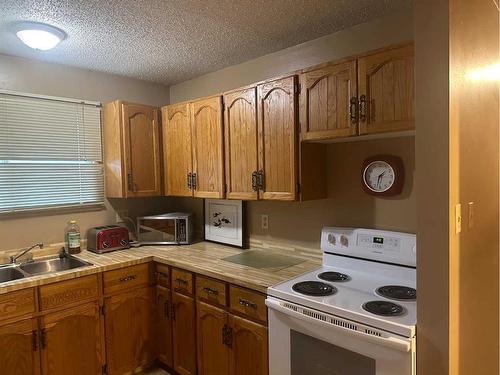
203,258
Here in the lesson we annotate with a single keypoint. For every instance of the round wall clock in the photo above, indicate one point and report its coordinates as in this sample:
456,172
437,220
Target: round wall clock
383,175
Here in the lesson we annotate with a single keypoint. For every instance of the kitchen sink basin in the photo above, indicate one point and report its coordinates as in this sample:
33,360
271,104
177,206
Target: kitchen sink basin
40,267
9,274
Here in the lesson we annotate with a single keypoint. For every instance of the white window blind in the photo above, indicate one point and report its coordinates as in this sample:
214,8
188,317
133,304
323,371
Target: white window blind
50,153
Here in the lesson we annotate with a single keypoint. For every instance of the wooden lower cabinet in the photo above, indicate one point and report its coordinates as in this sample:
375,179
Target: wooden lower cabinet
249,351
70,341
128,321
19,349
213,353
163,326
184,334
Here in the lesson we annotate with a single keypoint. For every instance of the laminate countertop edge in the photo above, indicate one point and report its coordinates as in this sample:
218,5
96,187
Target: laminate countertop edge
202,258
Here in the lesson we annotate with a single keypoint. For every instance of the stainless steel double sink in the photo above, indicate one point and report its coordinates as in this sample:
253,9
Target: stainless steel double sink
10,272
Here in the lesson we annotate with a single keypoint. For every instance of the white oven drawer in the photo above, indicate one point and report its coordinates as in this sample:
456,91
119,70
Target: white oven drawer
306,341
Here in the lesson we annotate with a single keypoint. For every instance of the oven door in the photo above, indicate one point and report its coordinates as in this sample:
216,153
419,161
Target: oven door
306,341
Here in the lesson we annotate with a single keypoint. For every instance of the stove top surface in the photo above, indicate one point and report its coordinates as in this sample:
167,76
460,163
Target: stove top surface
376,294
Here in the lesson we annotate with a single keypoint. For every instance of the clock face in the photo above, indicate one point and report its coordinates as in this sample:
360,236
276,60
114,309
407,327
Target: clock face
379,176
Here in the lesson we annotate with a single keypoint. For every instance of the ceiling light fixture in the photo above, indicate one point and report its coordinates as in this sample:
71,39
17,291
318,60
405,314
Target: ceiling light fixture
39,35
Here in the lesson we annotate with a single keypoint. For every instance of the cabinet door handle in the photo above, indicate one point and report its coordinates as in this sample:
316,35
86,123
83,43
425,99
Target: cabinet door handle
166,310
130,182
172,311
43,338
127,278
208,290
161,274
353,109
246,303
34,340
180,281
227,336
194,183
362,108
189,181
254,181
260,179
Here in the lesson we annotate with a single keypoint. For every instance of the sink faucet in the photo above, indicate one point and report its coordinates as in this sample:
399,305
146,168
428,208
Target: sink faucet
13,259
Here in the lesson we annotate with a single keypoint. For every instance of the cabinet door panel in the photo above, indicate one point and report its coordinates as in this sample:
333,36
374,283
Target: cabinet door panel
278,139
128,330
240,141
71,341
213,354
163,326
142,150
249,354
177,149
184,333
208,158
386,79
325,101
19,353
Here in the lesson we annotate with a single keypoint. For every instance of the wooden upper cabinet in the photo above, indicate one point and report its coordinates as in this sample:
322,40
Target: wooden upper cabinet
277,118
177,149
386,90
207,146
240,140
19,354
70,341
325,101
131,150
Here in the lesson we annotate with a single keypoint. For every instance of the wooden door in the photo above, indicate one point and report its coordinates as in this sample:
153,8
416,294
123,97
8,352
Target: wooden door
240,142
184,334
128,319
213,353
386,91
278,161
177,148
141,130
325,102
208,152
249,353
70,341
163,331
19,348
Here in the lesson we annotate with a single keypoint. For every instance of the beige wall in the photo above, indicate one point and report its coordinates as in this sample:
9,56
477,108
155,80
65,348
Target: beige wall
379,33
300,223
31,76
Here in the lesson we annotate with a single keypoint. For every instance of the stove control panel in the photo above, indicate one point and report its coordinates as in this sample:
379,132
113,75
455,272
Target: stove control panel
384,246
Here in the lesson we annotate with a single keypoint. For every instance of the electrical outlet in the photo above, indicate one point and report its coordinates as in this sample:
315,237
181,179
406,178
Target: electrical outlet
264,221
458,218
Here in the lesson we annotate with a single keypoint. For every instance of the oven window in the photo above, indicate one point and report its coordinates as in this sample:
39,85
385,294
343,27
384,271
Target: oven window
157,230
315,357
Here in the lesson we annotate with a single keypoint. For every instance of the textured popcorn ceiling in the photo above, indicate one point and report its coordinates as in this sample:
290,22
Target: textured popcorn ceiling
172,41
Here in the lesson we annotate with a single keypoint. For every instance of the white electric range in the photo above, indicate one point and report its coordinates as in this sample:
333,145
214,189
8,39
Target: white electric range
356,315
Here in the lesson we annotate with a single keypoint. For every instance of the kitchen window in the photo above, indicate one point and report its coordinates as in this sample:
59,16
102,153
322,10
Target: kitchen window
50,153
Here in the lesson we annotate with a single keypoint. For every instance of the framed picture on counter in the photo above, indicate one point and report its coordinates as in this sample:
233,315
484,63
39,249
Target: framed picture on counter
224,221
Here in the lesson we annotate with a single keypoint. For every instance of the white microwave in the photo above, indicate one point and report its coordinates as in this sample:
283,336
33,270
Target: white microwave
174,228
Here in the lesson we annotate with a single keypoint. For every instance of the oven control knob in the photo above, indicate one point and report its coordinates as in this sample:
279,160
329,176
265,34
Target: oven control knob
344,241
332,239
105,244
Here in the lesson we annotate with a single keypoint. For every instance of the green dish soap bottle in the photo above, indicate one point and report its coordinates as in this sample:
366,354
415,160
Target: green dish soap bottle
72,238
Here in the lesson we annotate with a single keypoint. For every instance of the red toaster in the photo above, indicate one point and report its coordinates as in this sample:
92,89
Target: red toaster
107,238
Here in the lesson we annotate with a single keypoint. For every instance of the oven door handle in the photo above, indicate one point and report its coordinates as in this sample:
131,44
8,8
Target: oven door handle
390,342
